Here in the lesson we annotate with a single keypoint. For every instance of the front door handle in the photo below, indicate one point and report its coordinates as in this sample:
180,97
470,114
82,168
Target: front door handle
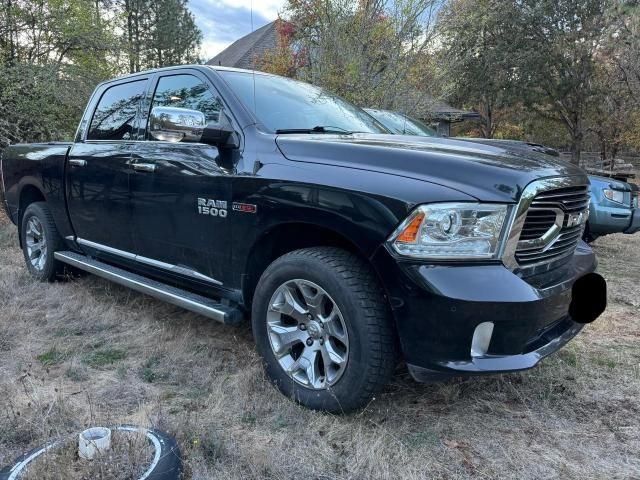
144,167
77,162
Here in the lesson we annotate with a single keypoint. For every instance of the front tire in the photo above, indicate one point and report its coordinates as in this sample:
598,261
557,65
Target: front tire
323,329
40,240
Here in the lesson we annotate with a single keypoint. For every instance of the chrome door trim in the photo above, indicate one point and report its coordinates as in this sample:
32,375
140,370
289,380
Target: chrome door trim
526,199
149,261
176,269
104,248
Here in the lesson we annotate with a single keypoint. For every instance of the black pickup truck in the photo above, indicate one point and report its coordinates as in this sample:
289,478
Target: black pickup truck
239,194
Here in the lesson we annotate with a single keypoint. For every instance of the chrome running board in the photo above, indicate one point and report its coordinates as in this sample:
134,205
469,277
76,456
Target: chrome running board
208,307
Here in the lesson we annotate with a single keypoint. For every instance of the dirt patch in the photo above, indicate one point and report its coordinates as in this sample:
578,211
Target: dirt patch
87,352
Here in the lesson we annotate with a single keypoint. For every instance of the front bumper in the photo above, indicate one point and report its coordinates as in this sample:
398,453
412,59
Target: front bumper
604,220
557,337
438,307
635,222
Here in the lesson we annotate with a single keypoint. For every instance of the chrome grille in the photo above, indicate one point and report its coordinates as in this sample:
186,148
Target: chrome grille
571,199
537,223
549,232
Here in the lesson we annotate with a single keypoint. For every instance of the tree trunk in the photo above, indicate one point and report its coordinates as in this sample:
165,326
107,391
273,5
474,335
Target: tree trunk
10,30
577,138
129,12
615,146
487,120
576,147
137,39
603,148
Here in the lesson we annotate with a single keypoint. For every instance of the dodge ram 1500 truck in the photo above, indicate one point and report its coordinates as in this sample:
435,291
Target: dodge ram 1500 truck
240,194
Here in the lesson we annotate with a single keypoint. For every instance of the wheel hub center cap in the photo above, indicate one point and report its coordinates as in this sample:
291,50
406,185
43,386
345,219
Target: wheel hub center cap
314,329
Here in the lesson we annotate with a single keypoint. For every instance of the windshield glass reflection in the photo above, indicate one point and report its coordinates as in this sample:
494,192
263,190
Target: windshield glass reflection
283,104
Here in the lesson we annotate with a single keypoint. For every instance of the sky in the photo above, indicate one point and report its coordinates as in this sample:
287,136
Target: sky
224,21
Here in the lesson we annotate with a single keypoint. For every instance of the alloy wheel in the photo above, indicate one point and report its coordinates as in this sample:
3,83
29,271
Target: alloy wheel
308,334
36,241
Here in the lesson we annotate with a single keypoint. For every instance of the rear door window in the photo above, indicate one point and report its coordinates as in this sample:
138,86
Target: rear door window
115,115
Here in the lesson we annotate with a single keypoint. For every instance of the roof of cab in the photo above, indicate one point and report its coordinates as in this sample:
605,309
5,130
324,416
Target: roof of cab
177,67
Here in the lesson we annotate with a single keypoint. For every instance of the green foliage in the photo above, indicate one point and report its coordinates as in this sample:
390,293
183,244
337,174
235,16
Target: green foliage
631,134
51,357
362,51
612,117
152,370
104,357
558,63
54,52
158,33
478,58
560,71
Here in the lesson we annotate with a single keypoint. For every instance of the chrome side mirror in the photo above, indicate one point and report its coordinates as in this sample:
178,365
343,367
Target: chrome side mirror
172,124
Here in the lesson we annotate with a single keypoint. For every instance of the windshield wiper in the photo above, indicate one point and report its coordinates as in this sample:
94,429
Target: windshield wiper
316,129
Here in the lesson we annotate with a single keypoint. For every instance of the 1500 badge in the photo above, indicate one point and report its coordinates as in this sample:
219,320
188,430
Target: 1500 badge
215,208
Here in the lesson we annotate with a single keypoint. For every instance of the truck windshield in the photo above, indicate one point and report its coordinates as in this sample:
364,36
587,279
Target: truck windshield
287,106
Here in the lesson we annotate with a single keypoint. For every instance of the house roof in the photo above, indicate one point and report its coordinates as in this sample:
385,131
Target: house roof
244,52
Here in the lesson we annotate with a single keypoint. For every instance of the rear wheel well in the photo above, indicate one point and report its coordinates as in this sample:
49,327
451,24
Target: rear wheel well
29,194
285,239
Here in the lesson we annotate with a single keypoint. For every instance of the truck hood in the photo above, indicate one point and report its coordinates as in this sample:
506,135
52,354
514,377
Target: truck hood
487,172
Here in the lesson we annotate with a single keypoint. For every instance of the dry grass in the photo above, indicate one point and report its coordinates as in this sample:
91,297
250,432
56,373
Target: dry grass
88,352
128,458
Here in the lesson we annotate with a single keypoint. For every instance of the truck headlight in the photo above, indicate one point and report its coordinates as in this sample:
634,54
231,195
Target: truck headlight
614,195
452,231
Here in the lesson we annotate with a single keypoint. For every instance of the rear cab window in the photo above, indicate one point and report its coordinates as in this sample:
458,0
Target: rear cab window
115,116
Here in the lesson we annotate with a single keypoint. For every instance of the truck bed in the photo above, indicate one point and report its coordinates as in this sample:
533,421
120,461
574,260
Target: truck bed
40,165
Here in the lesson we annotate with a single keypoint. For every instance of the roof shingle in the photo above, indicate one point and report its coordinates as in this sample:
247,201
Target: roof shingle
248,50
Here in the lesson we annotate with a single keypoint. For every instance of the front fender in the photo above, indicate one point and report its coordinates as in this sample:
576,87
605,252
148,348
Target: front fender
361,207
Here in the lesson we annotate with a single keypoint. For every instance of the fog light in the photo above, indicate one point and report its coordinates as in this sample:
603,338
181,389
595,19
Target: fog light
481,339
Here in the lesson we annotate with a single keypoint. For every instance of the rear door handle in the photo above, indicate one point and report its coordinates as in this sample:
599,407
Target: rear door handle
144,167
76,162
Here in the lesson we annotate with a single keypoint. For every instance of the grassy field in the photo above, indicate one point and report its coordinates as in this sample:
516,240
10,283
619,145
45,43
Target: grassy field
87,352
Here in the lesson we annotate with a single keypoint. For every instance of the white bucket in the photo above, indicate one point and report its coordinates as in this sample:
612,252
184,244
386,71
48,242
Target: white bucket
93,441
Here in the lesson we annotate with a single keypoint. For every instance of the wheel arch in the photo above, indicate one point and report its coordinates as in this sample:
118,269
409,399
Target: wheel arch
287,237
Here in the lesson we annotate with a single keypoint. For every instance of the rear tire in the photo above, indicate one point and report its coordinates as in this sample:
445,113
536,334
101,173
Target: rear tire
336,349
40,240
